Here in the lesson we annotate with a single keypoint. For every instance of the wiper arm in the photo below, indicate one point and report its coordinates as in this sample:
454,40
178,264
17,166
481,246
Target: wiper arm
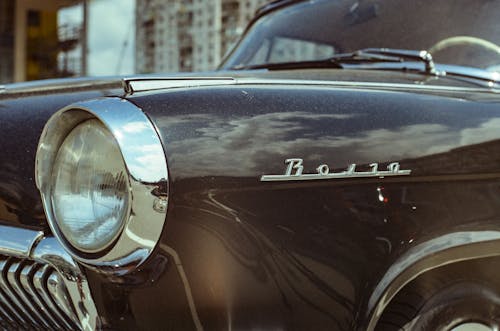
366,55
403,55
476,74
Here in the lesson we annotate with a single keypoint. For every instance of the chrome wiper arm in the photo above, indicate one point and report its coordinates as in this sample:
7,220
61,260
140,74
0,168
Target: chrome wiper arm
430,67
402,55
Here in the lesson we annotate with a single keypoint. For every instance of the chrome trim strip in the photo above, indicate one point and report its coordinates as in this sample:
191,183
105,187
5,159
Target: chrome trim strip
17,241
140,84
48,85
146,164
361,85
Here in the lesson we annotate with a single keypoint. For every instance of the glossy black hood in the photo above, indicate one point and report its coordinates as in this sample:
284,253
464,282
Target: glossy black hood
25,107
312,252
246,244
210,126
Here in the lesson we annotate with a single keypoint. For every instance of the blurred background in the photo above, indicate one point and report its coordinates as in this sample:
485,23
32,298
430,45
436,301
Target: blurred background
69,38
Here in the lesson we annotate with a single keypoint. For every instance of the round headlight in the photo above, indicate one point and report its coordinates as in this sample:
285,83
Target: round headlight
90,188
102,174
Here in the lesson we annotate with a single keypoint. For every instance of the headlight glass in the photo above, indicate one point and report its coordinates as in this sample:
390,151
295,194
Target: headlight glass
90,188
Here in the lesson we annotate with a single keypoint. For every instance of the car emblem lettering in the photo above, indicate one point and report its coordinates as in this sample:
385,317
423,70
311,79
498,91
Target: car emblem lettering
294,171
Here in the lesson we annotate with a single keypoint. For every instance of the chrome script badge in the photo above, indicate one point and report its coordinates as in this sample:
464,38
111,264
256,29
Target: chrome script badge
294,170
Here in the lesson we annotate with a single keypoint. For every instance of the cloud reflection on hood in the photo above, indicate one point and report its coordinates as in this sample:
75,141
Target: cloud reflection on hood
244,146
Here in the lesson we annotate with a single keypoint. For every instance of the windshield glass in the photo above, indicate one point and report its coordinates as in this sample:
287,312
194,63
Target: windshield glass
455,32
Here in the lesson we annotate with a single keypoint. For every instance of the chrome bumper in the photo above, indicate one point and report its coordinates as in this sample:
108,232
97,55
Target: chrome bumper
41,286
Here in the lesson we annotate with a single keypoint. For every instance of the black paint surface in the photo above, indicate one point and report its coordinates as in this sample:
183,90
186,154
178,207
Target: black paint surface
244,254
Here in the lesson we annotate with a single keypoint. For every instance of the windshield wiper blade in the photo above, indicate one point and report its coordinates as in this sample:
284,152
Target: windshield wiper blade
366,55
335,61
327,63
386,55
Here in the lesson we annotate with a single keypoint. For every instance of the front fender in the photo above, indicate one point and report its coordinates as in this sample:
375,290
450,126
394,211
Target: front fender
426,256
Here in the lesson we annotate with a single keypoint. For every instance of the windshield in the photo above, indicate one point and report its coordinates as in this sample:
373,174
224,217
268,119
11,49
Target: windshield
455,32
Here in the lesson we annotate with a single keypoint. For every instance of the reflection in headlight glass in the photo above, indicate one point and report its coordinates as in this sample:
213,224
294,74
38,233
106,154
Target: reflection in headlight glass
90,189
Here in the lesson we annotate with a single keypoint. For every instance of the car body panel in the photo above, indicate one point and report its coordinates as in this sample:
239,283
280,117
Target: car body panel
247,244
326,253
295,199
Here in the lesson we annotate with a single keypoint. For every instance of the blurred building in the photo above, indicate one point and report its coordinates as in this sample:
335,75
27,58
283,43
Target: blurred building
6,40
30,40
188,35
70,59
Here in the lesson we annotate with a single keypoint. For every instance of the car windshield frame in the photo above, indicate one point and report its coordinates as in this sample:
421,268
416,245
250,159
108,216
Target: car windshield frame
358,15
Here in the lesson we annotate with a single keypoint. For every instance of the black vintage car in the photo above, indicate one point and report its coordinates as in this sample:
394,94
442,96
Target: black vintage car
341,171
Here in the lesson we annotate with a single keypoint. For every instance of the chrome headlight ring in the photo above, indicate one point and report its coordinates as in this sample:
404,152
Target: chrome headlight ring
146,167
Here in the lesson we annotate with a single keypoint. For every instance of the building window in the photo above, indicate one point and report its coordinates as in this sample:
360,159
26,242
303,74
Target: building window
33,18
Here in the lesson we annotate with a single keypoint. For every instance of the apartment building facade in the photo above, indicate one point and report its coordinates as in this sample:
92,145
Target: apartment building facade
188,35
30,42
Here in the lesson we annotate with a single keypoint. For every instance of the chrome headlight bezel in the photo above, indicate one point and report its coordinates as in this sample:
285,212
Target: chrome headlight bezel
146,165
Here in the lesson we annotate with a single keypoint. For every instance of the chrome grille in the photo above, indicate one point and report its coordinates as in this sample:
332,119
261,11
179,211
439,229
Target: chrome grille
41,286
34,294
